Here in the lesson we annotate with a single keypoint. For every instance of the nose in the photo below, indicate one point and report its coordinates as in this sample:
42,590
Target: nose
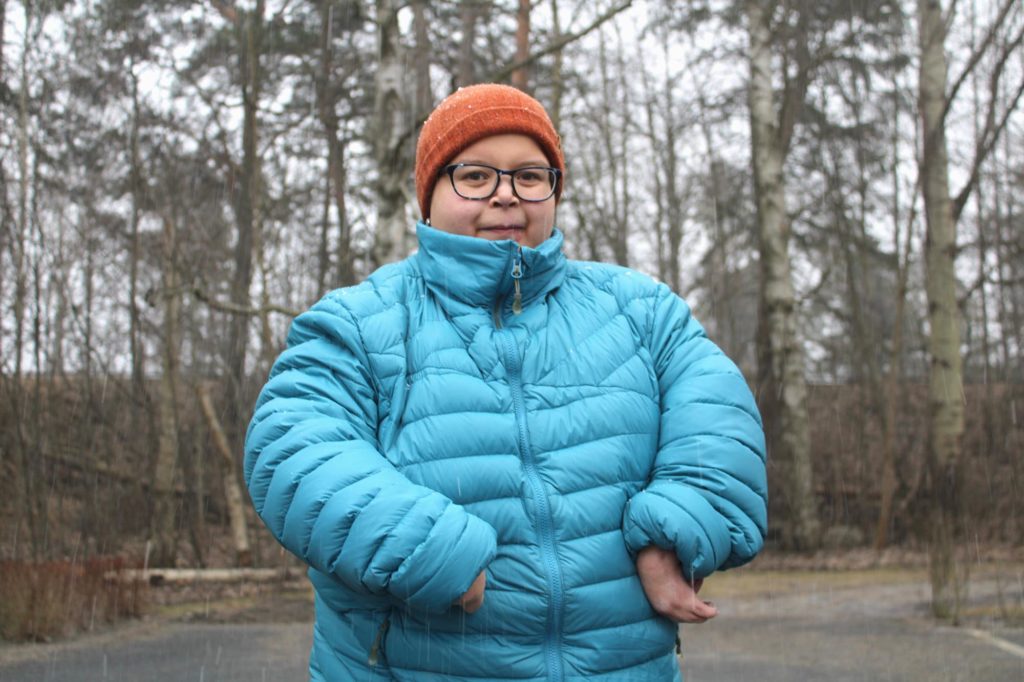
504,196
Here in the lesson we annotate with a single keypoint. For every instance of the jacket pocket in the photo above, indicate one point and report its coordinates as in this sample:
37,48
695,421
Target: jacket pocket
377,646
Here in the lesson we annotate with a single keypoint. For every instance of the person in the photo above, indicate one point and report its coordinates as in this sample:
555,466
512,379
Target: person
501,464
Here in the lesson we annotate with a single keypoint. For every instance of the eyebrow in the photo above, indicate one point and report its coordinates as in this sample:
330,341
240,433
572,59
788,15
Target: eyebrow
524,164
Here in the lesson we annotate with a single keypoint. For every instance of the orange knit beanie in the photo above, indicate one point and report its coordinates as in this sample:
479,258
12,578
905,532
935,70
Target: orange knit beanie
471,114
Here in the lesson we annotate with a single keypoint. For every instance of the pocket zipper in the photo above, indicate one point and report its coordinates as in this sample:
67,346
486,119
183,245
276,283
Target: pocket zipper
378,642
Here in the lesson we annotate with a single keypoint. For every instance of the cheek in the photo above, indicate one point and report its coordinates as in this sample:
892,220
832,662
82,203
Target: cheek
542,221
451,214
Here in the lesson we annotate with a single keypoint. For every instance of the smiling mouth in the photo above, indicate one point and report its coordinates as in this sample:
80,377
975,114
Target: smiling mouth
502,228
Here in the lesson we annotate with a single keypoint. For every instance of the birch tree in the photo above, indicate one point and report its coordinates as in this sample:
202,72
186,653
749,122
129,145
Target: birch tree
942,211
392,138
781,383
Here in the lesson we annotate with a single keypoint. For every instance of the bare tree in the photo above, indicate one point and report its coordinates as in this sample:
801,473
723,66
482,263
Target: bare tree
392,138
163,523
469,15
942,211
521,75
782,387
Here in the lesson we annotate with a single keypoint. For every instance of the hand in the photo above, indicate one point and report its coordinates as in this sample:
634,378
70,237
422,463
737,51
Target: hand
668,591
473,599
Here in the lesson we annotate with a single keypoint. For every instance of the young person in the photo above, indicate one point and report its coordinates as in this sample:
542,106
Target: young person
501,464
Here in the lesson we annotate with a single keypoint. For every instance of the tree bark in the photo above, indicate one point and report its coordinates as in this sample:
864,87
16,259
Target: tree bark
248,213
392,139
945,381
163,526
137,188
337,177
233,495
421,60
674,202
893,380
521,76
3,23
465,73
26,469
782,388
557,78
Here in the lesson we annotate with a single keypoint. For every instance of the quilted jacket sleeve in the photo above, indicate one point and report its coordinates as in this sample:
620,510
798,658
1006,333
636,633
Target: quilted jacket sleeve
321,485
707,495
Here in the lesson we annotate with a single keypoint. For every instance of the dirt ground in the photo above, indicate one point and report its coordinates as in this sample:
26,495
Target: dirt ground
783,618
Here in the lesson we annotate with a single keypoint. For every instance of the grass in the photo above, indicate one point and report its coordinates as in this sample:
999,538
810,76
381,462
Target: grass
746,583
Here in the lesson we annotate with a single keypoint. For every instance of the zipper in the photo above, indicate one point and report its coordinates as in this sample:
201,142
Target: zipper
545,526
517,294
517,274
378,642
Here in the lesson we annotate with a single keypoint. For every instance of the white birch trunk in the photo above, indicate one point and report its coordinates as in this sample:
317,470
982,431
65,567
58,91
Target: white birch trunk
783,390
392,140
945,382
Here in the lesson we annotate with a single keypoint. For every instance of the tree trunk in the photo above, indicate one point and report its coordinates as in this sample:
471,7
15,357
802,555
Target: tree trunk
421,60
893,379
233,495
557,79
3,23
465,73
163,525
673,197
782,387
613,96
521,76
26,470
337,180
392,140
945,382
248,214
134,321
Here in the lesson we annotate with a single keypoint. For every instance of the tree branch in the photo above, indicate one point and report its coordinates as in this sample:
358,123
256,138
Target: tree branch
976,56
990,135
238,309
985,145
504,72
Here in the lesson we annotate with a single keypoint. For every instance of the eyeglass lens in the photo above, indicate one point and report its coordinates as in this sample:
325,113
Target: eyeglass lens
480,182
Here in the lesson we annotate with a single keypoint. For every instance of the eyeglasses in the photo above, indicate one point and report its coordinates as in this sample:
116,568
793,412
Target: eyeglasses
477,181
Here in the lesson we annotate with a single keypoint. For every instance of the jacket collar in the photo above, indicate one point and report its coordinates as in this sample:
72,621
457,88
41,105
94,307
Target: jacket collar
478,272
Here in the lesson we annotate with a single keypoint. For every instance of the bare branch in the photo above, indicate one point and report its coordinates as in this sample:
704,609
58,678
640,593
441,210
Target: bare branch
993,129
504,72
976,56
238,309
985,146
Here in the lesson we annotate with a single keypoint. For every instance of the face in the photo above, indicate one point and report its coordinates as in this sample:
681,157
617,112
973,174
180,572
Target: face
503,215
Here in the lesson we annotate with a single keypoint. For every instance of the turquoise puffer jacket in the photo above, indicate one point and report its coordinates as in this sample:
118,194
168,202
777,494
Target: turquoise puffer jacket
485,407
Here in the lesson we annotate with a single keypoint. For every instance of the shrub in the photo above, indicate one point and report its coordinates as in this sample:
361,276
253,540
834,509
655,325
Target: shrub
40,601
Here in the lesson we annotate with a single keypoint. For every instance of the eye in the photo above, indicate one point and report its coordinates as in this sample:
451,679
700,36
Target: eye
531,176
474,175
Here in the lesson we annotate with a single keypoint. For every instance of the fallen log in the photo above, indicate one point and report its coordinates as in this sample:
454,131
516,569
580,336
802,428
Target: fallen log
164,576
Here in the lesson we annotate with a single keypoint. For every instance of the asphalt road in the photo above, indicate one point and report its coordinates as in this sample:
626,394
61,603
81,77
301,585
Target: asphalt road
836,635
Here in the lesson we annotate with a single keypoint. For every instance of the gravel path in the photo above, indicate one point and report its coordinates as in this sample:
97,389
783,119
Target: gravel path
877,632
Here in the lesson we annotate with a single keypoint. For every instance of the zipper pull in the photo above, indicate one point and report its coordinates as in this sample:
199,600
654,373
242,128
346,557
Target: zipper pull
517,273
377,641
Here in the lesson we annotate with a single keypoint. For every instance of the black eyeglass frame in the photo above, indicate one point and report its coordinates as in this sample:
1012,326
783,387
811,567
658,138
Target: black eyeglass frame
450,172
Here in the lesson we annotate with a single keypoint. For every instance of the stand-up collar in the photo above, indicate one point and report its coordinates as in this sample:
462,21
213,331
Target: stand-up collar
478,272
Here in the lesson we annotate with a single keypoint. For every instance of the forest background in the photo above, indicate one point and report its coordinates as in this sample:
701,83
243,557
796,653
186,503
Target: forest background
837,187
